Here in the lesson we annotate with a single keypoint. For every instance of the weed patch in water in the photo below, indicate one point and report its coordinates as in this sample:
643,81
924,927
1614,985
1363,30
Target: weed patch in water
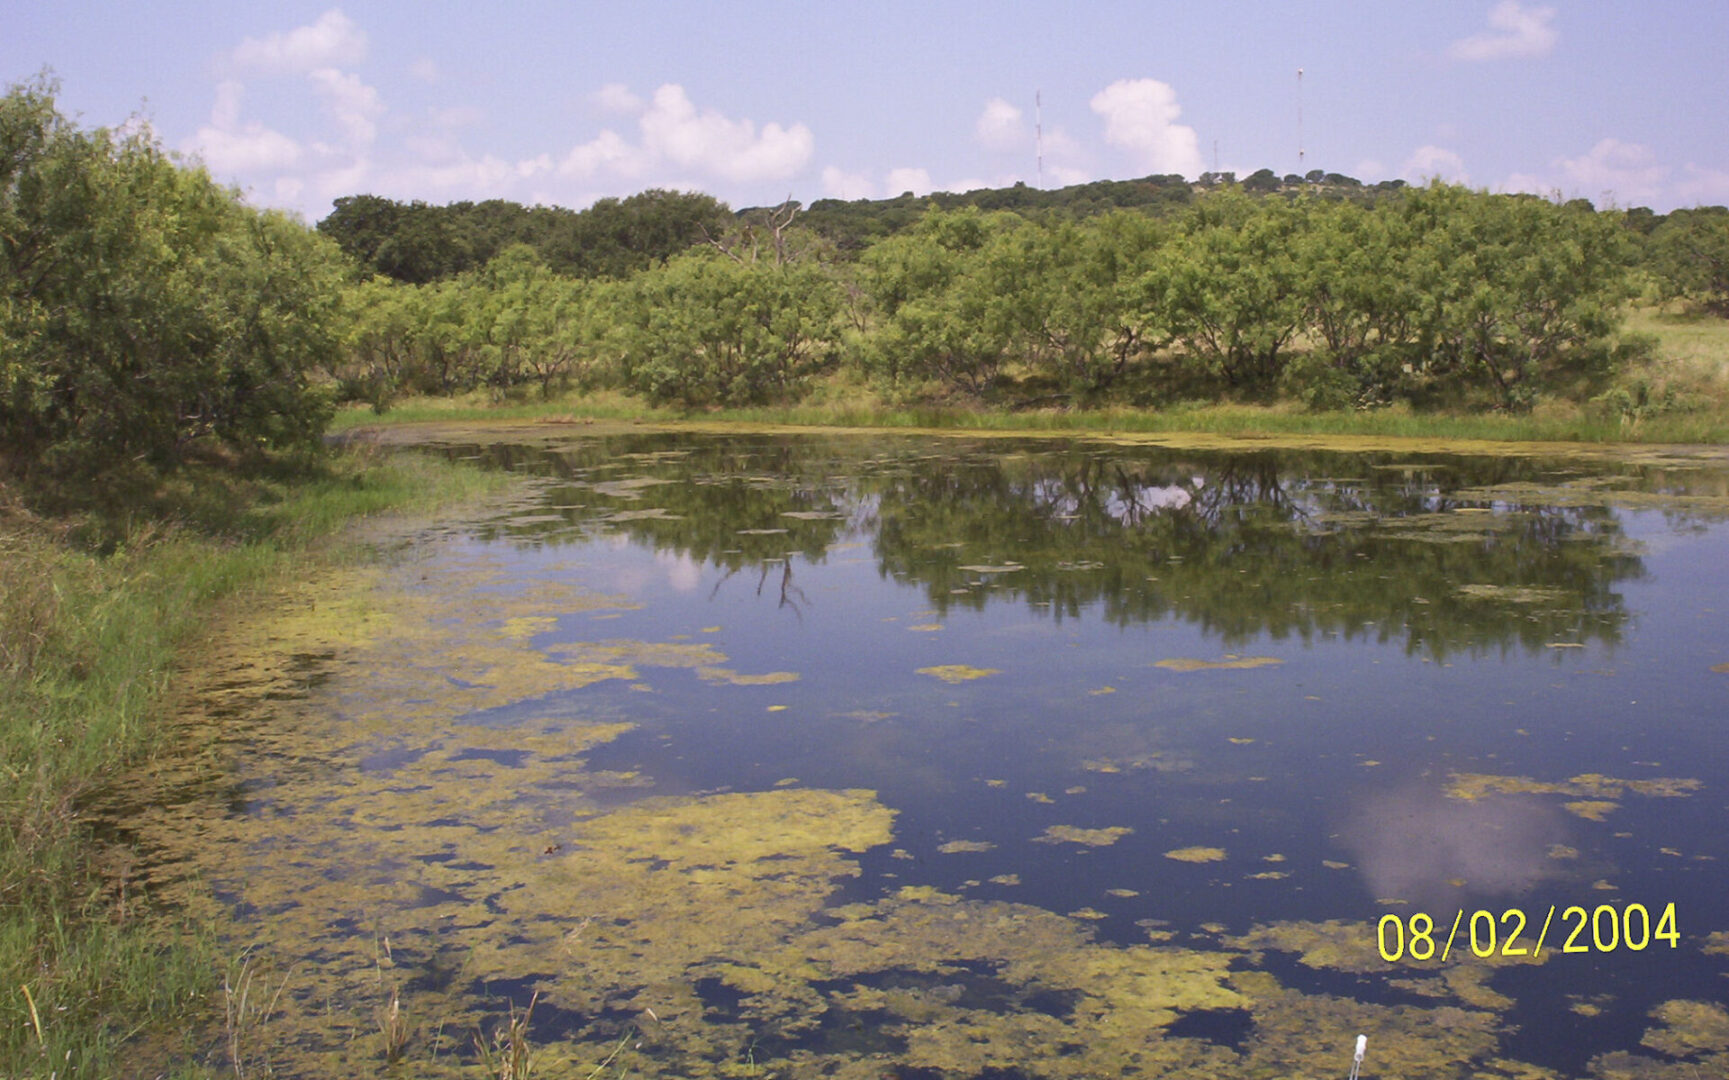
957,673
1230,663
1197,854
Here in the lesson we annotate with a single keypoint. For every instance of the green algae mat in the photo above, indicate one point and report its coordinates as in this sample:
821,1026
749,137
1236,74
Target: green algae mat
724,753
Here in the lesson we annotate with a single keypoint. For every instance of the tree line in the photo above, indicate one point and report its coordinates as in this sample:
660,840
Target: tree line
1439,296
146,311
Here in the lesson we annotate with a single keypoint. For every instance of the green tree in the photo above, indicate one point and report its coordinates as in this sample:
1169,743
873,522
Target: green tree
1516,295
411,242
940,311
143,308
1690,255
1360,302
1230,283
617,237
1071,289
710,329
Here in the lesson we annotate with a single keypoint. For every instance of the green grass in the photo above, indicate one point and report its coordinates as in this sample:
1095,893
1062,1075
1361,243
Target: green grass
603,405
96,610
1558,422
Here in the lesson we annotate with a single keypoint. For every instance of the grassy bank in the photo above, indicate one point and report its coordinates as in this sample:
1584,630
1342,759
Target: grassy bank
1552,423
1680,394
96,610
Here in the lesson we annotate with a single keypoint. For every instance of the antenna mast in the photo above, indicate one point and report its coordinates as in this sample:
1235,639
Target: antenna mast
1299,120
1039,135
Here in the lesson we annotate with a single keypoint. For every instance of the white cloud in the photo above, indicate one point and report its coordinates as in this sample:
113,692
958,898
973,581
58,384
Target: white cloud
225,114
1627,172
837,184
432,148
458,116
1610,173
1527,183
250,148
1140,116
1000,127
464,175
229,147
344,179
330,41
969,183
606,152
675,132
673,128
1515,31
900,181
354,104
1064,175
1428,162
1702,186
616,97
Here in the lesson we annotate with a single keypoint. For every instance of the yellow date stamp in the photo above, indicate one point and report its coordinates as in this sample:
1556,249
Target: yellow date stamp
1602,929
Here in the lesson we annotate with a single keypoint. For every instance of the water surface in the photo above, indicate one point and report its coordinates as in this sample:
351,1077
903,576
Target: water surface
856,755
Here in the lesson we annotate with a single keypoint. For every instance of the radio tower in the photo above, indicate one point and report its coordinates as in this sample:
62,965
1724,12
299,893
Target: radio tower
1299,121
1039,135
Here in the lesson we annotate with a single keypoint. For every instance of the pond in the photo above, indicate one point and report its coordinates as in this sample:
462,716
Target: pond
861,755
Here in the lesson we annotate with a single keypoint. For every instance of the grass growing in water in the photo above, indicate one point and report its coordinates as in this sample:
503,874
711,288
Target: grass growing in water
95,609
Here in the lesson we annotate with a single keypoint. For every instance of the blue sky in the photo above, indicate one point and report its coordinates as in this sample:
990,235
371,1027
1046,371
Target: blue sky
299,103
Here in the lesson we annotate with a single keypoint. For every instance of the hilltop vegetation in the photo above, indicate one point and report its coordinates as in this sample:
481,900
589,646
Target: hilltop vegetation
1436,297
1318,291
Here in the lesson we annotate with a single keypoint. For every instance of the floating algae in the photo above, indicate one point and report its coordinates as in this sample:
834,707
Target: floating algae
670,654
1586,786
1070,834
1689,1027
955,847
733,678
957,673
1197,854
1229,663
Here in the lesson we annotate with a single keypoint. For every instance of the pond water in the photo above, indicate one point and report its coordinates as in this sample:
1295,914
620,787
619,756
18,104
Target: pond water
864,756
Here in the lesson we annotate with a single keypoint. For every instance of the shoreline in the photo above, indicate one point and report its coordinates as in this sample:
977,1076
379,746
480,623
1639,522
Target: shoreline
1571,426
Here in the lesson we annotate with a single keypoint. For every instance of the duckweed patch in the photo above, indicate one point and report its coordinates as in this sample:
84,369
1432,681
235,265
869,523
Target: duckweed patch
1588,786
1689,1028
733,678
1230,663
958,673
1071,834
1196,854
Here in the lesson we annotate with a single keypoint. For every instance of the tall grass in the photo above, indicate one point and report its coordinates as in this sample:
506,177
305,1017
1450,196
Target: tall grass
95,610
